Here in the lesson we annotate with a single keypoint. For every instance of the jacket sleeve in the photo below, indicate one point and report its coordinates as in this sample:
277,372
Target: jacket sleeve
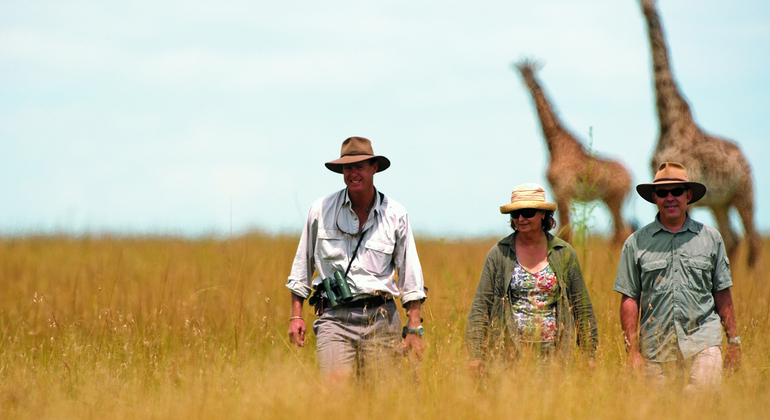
477,327
582,309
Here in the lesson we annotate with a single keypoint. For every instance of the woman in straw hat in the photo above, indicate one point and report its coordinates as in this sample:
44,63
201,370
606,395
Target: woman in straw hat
531,295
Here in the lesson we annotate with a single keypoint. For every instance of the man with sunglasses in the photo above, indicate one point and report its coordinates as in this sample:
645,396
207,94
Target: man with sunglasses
357,237
674,272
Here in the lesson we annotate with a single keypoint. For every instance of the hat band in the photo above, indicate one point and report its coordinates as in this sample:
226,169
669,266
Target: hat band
356,154
670,179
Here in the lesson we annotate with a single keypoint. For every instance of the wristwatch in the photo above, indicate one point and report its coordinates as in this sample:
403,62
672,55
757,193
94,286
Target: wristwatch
734,340
419,331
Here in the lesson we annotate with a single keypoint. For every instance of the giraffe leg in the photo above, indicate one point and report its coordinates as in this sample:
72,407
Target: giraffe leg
620,229
721,214
745,206
562,206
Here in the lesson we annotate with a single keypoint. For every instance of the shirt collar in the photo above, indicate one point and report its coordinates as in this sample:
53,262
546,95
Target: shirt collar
689,224
345,214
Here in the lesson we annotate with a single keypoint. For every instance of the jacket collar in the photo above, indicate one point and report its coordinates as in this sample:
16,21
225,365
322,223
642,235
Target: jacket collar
553,242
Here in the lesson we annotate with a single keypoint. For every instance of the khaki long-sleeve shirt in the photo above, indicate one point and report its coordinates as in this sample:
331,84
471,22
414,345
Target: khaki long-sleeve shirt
330,237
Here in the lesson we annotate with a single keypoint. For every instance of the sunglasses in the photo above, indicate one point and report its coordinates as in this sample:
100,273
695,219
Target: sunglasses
527,213
676,192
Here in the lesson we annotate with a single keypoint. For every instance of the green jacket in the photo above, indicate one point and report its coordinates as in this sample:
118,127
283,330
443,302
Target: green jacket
491,332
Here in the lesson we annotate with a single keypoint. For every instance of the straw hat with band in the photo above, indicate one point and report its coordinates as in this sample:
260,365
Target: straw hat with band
357,149
527,196
671,173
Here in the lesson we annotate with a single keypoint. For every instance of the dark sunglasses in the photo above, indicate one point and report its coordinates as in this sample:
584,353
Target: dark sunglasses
527,213
676,192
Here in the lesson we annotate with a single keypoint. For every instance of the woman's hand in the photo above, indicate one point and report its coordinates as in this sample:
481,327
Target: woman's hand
476,368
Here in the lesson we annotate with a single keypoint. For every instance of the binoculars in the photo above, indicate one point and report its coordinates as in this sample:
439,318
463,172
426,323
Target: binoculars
337,291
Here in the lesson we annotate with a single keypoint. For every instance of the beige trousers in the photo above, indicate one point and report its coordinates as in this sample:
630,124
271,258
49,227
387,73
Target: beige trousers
704,370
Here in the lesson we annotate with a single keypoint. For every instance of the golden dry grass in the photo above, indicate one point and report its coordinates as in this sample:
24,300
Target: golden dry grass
170,328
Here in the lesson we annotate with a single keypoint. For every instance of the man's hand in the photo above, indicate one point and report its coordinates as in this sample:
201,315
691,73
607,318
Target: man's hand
635,360
296,323
297,331
413,343
732,358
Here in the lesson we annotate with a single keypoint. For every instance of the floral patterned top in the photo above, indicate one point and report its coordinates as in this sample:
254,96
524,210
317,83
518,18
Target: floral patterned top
534,297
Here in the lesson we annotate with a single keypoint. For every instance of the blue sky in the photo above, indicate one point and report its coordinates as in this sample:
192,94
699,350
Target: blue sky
199,117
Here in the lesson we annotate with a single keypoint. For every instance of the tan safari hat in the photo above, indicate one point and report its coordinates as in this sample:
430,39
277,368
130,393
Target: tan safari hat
356,149
527,196
671,173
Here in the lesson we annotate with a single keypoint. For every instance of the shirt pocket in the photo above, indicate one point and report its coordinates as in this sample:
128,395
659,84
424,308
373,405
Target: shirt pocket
331,247
651,266
378,257
652,274
700,269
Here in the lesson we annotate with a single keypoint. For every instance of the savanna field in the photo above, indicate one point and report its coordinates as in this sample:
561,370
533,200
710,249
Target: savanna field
169,328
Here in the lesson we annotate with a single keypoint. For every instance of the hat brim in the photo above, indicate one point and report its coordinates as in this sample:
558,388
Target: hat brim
698,190
540,205
336,165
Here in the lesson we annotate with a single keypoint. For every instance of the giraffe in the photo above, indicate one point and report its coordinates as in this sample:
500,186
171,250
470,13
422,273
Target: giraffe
572,172
713,161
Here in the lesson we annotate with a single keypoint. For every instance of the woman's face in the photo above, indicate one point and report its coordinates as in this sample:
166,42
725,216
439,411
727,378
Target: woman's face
529,224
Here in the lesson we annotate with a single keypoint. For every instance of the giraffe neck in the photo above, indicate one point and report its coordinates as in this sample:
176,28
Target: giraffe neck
556,137
672,106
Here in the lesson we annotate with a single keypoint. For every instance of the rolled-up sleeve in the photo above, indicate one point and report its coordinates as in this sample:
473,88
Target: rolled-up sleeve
302,268
410,280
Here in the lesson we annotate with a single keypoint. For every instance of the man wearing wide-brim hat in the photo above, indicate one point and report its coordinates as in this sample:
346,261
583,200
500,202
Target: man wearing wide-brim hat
357,237
675,273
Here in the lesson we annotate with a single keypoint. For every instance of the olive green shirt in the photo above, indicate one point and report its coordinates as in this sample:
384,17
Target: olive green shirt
674,276
491,331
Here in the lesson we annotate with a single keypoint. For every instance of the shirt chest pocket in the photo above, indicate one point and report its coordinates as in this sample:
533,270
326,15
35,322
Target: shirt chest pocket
331,246
701,264
700,269
652,274
378,257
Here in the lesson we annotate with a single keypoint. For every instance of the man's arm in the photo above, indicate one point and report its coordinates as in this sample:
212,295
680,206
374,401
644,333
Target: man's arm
629,320
723,300
300,278
410,280
296,322
413,342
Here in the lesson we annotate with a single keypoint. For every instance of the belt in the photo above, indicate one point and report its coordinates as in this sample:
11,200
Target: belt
369,302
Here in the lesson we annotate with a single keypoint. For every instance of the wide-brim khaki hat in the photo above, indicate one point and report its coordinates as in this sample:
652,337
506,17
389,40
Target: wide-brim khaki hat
671,173
527,196
357,149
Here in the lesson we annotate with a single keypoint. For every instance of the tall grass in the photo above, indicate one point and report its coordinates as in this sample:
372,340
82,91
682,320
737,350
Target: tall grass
167,328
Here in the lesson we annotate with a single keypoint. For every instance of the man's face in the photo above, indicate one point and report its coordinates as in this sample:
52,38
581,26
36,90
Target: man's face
673,210
359,176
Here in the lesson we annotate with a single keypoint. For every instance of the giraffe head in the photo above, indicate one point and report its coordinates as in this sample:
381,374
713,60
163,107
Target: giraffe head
528,67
